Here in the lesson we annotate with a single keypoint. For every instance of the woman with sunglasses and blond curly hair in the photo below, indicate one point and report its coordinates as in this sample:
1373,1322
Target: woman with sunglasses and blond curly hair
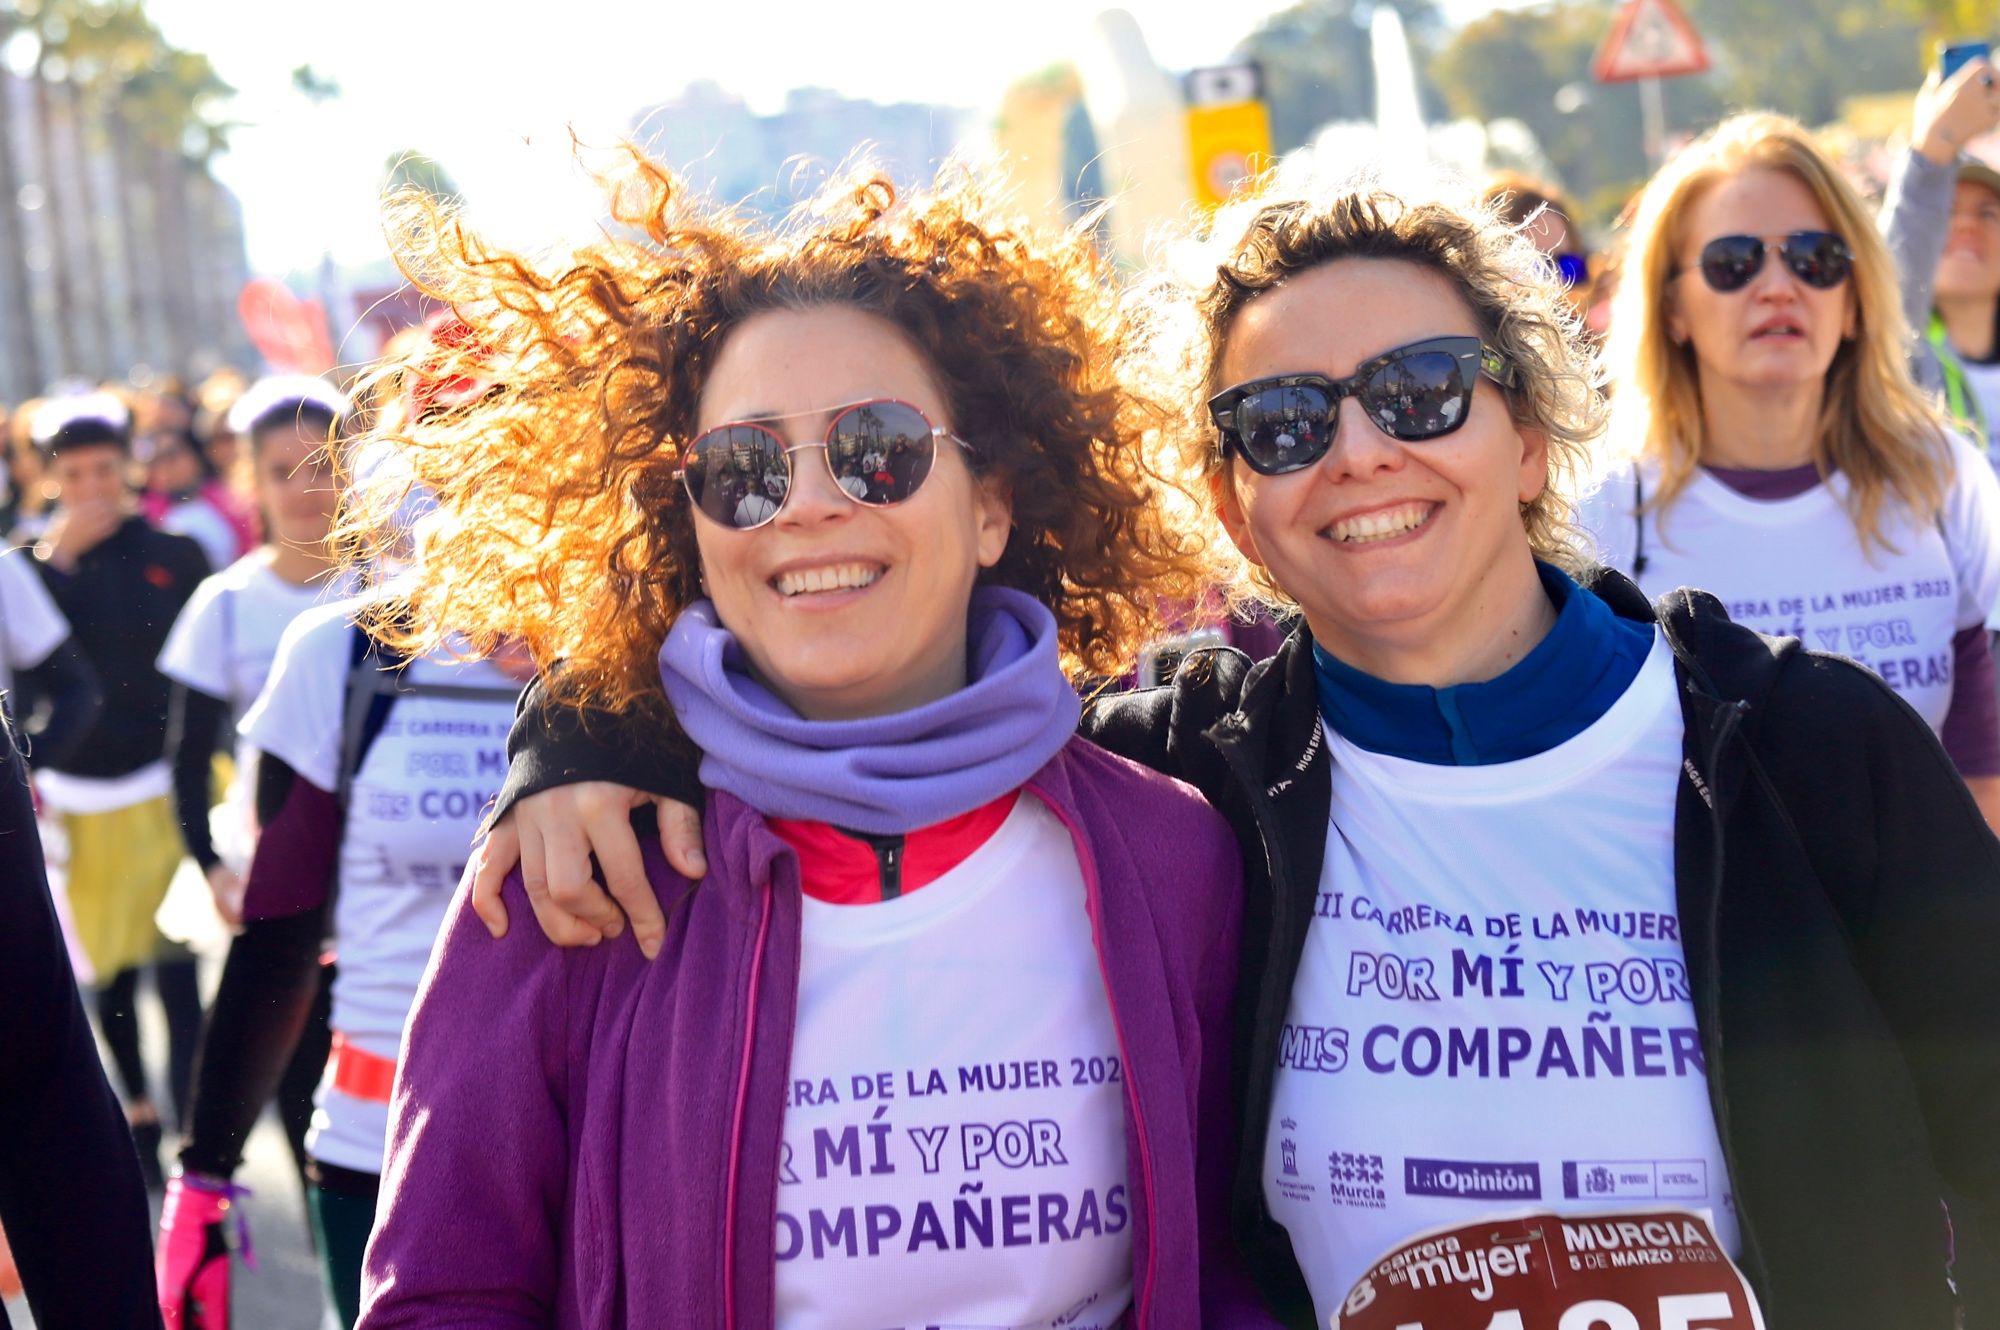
940,1037
1781,455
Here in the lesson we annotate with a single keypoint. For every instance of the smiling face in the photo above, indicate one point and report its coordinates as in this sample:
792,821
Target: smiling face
845,610
1386,546
1776,332
1970,267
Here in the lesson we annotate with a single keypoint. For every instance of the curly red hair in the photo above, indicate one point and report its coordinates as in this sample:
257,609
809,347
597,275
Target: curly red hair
559,520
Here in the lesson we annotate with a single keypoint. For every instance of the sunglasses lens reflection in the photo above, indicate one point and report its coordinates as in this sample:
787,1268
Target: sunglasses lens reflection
738,475
880,452
1417,396
1283,429
1819,258
1412,394
1728,263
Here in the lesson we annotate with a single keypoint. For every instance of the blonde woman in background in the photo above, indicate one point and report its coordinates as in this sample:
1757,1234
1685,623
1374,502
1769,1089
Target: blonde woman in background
1776,451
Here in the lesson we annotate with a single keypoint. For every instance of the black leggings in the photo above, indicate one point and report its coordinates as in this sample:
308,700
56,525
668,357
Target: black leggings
341,1203
303,1072
179,990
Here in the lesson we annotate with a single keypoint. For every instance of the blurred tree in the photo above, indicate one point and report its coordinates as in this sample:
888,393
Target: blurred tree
22,372
1950,20
1533,65
105,45
1317,66
121,119
57,168
169,109
315,87
122,51
1802,57
1805,57
410,169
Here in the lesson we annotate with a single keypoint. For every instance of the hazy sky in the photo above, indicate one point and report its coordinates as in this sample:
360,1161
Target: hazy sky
490,97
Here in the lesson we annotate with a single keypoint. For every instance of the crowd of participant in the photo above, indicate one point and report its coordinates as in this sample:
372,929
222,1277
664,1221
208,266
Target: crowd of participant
1586,838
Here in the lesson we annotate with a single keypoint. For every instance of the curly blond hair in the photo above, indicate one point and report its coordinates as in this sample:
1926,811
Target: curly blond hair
558,517
1289,224
1875,427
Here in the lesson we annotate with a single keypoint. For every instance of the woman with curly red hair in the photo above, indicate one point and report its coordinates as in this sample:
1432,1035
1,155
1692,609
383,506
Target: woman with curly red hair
940,1036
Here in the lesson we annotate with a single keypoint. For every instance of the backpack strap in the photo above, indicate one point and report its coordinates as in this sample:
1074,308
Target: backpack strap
374,679
1638,522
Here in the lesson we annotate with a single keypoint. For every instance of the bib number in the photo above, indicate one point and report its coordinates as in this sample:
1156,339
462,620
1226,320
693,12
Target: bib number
1628,1270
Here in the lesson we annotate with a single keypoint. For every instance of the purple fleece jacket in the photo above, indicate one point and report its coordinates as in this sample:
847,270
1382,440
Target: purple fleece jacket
580,1138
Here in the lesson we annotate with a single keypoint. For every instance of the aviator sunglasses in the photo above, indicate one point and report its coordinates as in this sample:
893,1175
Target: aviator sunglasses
1415,392
878,453
1820,259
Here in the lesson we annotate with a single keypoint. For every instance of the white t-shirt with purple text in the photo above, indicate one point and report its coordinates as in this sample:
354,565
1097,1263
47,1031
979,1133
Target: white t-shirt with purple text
414,808
954,1140
1796,567
1493,1011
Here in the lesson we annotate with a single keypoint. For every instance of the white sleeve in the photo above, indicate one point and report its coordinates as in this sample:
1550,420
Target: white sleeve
30,623
196,652
1605,515
1971,521
298,716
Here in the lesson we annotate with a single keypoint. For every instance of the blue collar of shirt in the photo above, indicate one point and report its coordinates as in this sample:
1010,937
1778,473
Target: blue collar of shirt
1552,694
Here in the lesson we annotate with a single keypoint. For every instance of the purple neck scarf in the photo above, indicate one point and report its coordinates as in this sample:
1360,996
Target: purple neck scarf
885,775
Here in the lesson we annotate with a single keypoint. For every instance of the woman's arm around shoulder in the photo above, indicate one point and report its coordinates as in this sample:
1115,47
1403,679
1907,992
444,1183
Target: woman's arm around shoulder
1161,727
467,1230
553,744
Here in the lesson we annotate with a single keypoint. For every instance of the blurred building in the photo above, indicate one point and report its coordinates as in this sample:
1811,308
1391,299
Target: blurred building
721,147
119,254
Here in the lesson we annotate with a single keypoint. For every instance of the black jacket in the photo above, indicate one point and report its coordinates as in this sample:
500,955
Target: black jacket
71,1197
120,601
1839,900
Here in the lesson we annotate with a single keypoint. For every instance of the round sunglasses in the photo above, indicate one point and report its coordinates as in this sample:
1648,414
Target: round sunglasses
879,453
1820,259
1412,393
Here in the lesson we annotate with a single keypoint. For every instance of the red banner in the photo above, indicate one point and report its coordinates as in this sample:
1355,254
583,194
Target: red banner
288,332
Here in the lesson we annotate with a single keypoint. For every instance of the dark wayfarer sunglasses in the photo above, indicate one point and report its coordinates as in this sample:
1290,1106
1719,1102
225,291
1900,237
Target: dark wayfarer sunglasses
1415,392
878,452
1820,259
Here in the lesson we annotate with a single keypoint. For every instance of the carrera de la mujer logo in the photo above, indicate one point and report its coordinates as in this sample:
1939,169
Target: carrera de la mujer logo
1630,1270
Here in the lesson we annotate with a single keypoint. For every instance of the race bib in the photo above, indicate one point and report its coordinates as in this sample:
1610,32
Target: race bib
1633,1270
